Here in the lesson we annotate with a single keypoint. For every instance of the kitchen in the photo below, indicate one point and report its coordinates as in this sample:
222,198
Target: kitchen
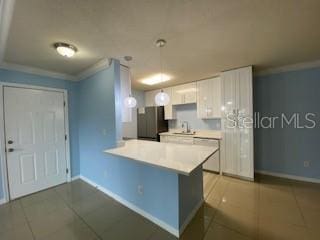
193,115
136,119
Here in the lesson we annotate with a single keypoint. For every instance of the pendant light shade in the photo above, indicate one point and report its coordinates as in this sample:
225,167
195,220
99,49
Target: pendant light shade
130,102
162,98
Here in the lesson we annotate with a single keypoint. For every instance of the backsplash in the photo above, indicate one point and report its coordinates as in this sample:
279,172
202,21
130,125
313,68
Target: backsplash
188,112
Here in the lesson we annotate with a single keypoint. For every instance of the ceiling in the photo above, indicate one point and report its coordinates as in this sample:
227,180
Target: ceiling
203,36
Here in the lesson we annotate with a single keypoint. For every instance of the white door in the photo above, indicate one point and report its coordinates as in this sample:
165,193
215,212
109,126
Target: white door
35,139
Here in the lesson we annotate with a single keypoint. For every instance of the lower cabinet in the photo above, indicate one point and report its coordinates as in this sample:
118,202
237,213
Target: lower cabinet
213,163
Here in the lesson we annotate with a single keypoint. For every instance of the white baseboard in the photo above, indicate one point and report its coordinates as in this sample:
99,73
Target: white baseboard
191,216
2,201
75,177
288,176
134,208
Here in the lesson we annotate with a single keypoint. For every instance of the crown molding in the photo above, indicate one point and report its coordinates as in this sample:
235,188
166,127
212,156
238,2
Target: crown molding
6,11
100,65
36,71
289,68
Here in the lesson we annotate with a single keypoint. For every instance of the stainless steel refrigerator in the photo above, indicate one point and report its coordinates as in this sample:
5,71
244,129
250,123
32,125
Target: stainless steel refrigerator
151,122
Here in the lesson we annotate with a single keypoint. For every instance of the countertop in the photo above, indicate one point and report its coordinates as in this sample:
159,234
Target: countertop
179,158
199,134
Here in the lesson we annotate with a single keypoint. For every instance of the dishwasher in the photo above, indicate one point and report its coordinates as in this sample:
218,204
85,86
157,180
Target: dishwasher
213,163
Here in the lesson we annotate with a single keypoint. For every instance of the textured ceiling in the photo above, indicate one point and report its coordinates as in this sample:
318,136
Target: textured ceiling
203,36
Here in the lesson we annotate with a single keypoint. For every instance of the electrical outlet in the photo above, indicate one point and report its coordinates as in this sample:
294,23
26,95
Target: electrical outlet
140,189
306,164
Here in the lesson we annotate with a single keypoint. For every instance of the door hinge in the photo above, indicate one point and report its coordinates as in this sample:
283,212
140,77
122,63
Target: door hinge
67,170
64,103
65,137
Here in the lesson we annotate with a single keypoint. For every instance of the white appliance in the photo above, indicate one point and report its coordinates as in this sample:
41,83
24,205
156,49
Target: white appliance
212,164
237,141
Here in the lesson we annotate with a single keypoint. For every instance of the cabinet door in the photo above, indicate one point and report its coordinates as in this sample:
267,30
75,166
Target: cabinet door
177,95
125,86
216,98
202,98
209,98
169,110
245,163
190,93
229,143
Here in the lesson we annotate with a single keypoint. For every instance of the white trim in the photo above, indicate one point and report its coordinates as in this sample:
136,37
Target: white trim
133,207
36,71
3,159
191,216
6,11
289,68
2,201
102,64
75,178
289,176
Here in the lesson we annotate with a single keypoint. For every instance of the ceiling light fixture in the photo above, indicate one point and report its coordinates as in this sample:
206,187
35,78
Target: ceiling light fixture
129,102
161,98
156,78
65,49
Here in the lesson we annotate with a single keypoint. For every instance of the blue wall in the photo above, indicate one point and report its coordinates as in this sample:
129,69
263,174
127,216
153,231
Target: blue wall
188,112
25,78
98,131
284,150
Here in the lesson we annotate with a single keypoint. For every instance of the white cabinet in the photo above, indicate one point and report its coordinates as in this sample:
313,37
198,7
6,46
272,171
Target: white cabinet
237,144
184,94
169,110
213,163
176,139
125,89
209,98
149,98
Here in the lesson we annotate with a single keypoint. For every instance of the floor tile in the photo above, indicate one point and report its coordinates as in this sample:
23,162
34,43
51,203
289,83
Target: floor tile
244,194
131,227
238,219
103,218
218,232
39,211
52,222
76,230
271,230
38,197
22,232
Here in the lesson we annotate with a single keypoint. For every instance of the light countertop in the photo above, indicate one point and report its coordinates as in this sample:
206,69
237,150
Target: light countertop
199,134
180,158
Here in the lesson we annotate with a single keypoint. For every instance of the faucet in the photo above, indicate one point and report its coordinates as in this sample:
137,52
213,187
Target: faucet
186,126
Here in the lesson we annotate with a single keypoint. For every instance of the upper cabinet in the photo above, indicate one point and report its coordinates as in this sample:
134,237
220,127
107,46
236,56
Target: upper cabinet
209,98
125,86
169,110
184,94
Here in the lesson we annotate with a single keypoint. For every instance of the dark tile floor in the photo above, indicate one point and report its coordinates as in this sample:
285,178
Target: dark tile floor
270,208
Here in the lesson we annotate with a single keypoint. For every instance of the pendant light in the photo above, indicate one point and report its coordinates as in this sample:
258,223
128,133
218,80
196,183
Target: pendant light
161,98
129,102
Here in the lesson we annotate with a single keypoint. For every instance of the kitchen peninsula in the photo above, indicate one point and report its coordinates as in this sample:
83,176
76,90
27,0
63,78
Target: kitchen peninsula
176,172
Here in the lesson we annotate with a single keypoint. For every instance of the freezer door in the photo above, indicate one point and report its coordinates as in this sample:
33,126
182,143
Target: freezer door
151,122
142,123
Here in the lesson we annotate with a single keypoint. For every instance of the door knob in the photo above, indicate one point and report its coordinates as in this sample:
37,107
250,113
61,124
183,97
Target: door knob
10,142
10,149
